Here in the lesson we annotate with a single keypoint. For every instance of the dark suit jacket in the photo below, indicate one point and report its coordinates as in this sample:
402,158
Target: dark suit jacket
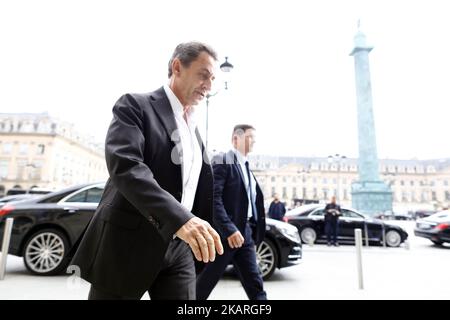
231,200
140,211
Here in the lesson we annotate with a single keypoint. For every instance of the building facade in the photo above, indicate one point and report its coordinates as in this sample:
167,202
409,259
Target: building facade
39,151
416,184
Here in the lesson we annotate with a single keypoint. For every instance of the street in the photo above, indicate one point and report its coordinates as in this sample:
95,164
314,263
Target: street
417,272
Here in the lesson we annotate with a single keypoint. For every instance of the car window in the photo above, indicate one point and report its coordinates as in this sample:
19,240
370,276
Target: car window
79,197
351,214
318,213
55,198
94,195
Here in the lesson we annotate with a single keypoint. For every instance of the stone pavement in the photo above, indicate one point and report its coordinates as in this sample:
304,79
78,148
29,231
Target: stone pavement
420,272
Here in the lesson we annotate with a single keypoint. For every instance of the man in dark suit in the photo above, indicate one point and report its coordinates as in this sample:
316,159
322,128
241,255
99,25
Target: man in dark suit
238,216
158,200
332,213
276,208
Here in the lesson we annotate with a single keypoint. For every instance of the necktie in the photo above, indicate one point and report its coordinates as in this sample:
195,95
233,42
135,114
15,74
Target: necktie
250,191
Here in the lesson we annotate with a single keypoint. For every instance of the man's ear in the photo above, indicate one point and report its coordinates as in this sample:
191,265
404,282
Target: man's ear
176,66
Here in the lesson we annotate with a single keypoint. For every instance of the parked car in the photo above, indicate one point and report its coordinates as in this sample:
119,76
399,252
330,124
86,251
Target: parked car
17,197
46,228
17,191
423,213
389,215
309,221
435,227
280,248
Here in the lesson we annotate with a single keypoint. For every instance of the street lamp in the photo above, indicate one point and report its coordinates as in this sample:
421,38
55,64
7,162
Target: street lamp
225,67
339,159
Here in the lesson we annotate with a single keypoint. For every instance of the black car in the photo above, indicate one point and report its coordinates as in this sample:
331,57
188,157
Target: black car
45,229
16,197
309,220
435,227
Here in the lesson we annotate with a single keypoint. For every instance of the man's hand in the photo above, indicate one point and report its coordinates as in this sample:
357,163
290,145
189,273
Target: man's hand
236,240
202,238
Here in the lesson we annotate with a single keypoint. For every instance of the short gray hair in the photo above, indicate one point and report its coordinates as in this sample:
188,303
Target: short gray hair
188,52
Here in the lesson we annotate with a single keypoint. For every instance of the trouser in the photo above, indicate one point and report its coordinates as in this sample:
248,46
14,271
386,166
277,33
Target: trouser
244,262
175,281
331,230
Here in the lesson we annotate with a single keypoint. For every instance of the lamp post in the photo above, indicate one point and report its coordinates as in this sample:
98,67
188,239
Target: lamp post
339,159
225,67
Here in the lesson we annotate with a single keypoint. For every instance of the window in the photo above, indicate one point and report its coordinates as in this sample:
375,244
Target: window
79,197
284,192
294,192
94,195
318,213
447,195
445,182
272,179
325,181
325,193
412,183
273,191
21,164
35,170
351,214
40,149
423,197
433,195
7,148
23,148
4,164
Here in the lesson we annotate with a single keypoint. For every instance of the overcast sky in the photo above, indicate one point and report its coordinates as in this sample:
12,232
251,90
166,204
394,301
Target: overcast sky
293,77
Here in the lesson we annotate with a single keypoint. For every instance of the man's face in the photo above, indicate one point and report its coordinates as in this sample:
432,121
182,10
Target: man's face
244,142
192,83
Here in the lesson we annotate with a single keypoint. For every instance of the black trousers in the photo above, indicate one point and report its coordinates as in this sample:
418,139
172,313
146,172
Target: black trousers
244,262
175,281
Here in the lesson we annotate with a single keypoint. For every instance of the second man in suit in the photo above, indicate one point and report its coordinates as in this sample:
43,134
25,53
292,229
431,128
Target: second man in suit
238,217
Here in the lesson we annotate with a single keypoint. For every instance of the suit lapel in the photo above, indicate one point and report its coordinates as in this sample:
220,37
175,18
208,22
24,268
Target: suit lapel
163,109
232,155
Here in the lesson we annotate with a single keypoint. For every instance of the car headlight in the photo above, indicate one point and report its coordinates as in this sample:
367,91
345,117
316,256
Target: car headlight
290,232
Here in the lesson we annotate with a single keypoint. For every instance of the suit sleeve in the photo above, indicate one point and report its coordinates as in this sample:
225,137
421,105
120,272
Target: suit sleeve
124,152
222,220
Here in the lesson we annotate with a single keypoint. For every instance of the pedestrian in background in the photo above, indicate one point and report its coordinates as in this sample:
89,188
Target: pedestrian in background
332,213
277,208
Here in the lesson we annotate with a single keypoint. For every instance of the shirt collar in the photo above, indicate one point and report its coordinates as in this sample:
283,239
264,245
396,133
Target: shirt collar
241,158
177,107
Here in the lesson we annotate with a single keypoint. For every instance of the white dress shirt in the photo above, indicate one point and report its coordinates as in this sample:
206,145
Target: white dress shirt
242,159
191,160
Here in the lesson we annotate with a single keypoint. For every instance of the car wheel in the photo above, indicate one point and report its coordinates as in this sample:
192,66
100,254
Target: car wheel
393,238
267,258
44,252
308,235
437,242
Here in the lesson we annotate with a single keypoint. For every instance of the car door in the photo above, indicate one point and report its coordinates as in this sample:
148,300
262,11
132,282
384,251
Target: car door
79,207
317,222
348,222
